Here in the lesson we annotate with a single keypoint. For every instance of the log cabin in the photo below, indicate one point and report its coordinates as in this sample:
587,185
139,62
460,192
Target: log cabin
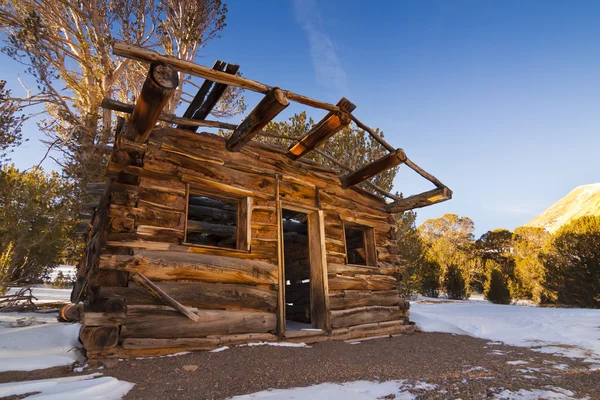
201,240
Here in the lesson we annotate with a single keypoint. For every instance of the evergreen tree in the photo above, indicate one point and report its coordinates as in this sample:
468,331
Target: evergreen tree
455,284
528,243
572,263
496,287
35,223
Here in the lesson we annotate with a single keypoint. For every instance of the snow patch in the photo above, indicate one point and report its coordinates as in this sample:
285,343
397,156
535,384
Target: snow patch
535,394
277,344
44,343
220,349
358,390
93,386
517,362
576,336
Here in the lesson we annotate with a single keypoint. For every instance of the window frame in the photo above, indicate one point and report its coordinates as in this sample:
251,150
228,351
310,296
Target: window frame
244,216
368,240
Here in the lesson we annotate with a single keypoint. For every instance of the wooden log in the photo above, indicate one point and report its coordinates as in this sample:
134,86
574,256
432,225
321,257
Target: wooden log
269,107
215,95
211,229
326,128
102,319
211,213
372,133
365,315
363,282
409,163
159,86
232,340
99,337
420,200
199,295
174,343
70,313
370,170
161,295
168,265
352,270
196,103
167,324
145,55
119,106
359,298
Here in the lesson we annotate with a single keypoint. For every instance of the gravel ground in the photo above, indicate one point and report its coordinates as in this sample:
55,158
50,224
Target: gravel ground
460,366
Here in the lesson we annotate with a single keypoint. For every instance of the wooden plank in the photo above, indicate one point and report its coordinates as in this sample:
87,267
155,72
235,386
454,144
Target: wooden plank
370,170
215,95
268,108
157,292
280,263
199,295
326,128
159,86
196,103
319,299
420,200
365,315
169,324
362,282
169,266
347,299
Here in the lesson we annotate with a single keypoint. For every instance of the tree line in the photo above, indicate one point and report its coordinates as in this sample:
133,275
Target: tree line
443,256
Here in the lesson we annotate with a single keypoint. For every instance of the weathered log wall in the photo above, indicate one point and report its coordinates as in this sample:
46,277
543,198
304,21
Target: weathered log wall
233,291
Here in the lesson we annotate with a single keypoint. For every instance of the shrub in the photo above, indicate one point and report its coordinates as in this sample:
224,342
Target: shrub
455,284
496,288
572,264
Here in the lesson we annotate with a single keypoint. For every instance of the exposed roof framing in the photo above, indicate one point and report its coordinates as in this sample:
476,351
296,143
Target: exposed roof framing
159,86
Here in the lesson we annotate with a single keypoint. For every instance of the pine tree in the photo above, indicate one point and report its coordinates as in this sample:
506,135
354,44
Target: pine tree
572,263
455,284
496,288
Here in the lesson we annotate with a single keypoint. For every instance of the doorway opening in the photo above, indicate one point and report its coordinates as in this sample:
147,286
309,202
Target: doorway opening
296,257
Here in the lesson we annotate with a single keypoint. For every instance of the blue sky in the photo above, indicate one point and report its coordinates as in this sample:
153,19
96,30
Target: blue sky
499,99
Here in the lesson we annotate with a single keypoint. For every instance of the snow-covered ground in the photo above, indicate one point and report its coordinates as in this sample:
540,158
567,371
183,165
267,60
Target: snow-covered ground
358,390
572,332
92,386
46,293
30,341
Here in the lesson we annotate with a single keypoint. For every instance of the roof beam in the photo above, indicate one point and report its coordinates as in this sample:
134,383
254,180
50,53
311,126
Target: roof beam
159,86
376,167
200,96
331,124
268,108
140,54
116,105
424,199
215,95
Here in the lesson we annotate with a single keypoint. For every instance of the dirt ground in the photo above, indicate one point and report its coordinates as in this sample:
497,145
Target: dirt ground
460,366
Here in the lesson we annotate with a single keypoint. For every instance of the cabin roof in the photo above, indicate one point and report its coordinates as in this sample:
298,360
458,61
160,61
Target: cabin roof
162,81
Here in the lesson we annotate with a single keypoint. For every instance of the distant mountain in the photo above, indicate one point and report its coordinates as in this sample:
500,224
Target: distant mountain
583,200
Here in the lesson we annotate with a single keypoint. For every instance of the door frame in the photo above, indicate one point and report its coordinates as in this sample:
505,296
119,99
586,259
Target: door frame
319,287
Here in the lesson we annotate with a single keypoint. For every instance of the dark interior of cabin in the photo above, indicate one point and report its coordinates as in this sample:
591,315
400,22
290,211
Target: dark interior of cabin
297,269
355,245
212,222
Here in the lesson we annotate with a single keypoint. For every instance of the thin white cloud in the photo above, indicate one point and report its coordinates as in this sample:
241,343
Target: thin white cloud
328,69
